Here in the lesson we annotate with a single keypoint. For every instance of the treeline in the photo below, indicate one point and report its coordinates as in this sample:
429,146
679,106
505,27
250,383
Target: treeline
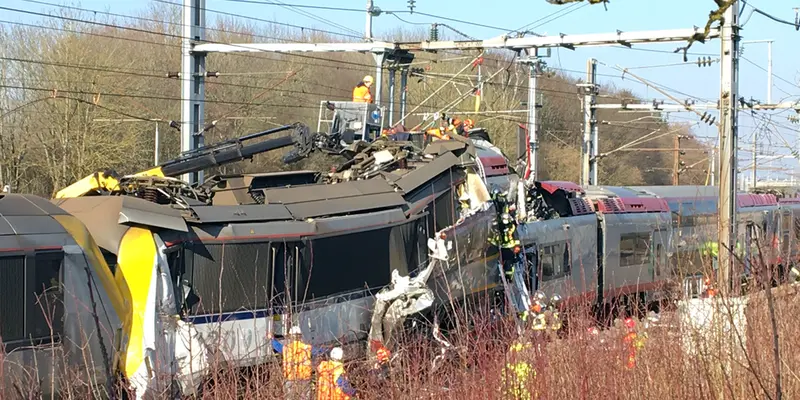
81,92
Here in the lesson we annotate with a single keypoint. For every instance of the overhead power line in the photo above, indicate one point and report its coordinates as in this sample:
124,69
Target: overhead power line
139,18
170,35
776,19
360,10
230,14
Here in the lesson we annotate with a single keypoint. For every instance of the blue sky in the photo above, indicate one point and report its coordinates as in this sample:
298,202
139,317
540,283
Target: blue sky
626,15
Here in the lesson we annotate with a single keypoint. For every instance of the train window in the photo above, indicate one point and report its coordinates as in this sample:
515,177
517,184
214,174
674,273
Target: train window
797,228
12,298
634,249
554,261
785,245
786,221
531,266
687,262
443,212
658,260
45,318
567,261
229,277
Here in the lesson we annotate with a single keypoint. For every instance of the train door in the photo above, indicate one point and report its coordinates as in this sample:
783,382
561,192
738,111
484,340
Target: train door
750,247
658,255
286,275
532,267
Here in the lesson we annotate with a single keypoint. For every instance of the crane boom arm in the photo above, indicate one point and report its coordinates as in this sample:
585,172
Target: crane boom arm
107,182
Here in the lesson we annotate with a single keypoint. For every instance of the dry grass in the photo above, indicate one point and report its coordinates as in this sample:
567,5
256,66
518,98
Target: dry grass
578,365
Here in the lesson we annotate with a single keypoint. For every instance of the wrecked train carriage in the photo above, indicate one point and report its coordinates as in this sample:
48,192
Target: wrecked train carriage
263,253
62,315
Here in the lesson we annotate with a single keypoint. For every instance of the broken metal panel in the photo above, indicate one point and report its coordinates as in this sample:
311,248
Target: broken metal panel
142,212
350,222
279,229
312,193
231,191
242,213
421,176
281,179
345,205
100,215
441,147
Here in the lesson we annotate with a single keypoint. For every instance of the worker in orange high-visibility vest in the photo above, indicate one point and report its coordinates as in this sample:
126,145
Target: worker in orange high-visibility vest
361,93
332,384
297,367
633,342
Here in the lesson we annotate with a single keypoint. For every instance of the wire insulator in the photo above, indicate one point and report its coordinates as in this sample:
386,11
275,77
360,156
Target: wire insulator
434,36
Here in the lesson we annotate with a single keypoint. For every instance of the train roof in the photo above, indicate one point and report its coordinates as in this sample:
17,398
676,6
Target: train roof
681,191
24,214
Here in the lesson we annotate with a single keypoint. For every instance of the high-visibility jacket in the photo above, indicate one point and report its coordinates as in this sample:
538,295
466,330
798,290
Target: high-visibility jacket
297,358
516,378
297,361
331,382
361,94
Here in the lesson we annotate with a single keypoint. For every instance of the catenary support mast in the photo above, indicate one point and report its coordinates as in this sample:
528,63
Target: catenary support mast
193,71
728,134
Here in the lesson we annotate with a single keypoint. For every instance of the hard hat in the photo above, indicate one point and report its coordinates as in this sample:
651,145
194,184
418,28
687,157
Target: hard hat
295,331
629,322
555,300
539,296
368,79
468,123
337,353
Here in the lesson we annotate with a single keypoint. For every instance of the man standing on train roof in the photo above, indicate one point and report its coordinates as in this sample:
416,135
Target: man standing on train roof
297,368
361,93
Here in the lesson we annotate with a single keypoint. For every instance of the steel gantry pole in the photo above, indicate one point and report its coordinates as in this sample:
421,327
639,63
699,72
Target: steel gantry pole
368,27
391,94
193,71
534,67
728,134
589,150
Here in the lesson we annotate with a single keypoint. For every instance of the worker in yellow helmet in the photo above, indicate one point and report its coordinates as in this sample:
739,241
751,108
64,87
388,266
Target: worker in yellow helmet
361,93
332,384
297,368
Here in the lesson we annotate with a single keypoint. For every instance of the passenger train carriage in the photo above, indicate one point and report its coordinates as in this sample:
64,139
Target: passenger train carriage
272,249
643,245
63,317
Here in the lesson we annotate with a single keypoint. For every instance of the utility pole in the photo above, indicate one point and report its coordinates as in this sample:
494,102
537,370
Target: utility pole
755,159
193,72
534,66
589,148
676,166
713,166
728,134
368,27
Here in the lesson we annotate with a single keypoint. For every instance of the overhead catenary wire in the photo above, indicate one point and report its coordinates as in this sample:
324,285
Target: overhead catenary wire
178,24
768,15
164,34
153,32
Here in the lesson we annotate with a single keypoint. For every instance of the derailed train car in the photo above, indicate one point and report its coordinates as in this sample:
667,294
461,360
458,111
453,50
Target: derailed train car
63,317
641,246
268,250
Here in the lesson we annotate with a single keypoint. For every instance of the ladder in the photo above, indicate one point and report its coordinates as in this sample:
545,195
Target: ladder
517,292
